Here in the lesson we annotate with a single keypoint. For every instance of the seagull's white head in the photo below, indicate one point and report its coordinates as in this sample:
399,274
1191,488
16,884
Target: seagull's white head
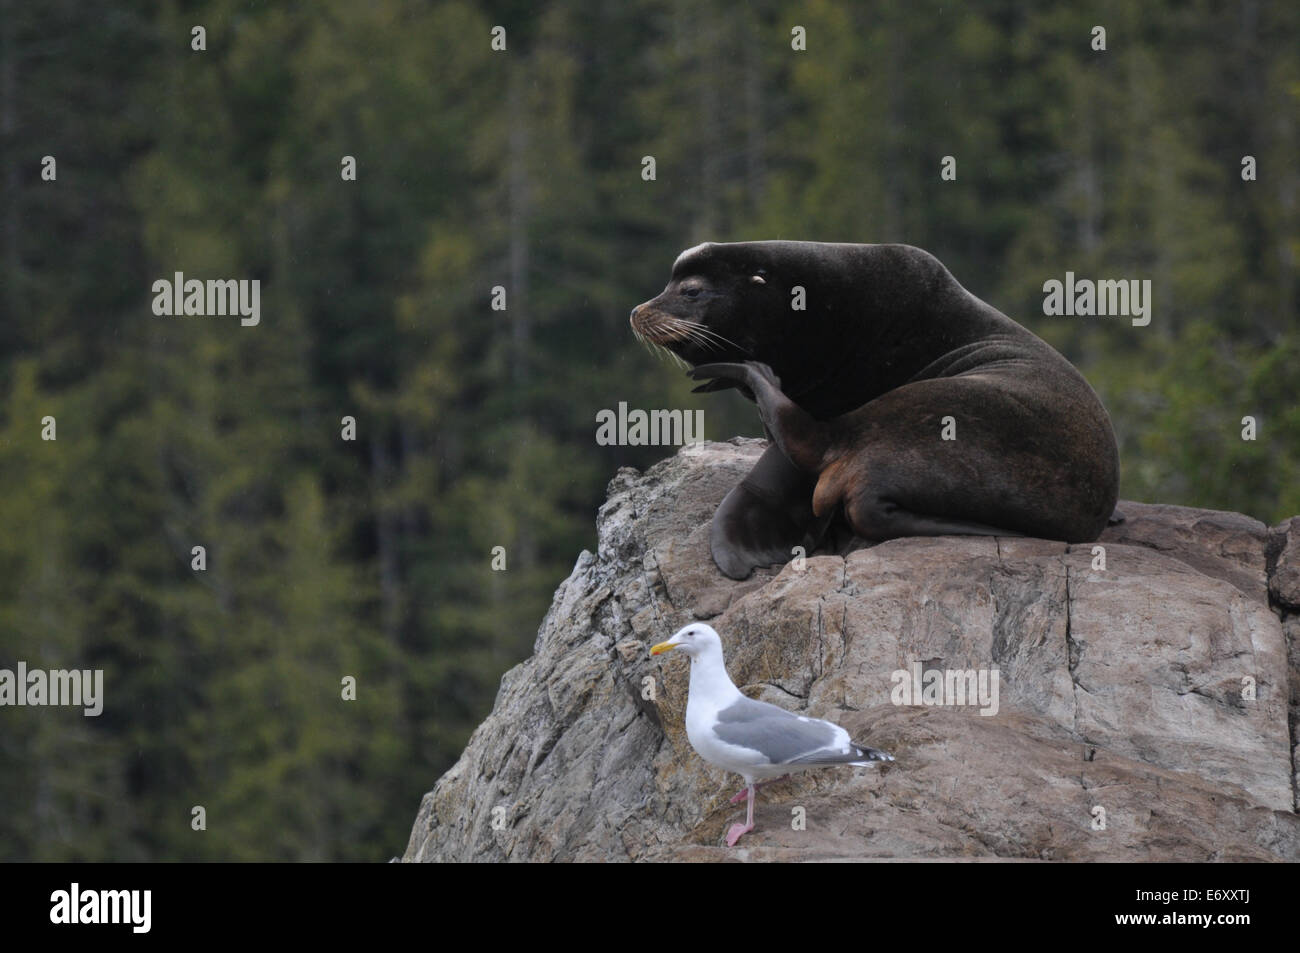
694,640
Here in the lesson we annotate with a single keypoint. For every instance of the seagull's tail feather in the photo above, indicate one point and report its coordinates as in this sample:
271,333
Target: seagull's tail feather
866,756
858,755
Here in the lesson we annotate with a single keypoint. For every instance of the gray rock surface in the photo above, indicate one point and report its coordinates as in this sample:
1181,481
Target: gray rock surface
1149,681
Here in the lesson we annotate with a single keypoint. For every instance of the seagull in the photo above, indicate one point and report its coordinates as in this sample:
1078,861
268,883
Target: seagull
752,738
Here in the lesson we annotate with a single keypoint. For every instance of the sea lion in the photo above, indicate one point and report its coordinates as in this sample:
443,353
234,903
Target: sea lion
895,396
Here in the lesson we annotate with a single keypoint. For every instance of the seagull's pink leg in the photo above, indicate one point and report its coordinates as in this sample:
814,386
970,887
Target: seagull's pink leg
737,830
744,792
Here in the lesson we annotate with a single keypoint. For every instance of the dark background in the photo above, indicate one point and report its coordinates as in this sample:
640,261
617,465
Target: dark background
476,428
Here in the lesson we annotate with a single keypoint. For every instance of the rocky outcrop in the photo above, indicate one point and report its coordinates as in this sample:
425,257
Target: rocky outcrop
1145,711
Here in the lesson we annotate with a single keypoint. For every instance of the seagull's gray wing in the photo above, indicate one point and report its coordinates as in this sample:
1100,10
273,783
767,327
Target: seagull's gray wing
782,736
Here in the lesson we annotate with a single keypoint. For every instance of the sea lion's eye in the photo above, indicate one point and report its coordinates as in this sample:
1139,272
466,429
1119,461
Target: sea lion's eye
692,292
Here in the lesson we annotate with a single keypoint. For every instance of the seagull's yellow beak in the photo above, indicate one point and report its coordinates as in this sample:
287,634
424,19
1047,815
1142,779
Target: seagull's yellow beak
663,647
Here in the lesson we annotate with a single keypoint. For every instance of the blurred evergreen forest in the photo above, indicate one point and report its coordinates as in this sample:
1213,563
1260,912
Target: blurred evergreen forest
476,427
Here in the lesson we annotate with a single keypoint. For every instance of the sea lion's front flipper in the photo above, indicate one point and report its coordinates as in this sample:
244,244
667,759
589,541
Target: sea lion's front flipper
802,439
765,516
718,383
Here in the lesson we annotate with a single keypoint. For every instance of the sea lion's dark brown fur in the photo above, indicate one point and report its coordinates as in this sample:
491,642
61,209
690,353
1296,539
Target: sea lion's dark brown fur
854,391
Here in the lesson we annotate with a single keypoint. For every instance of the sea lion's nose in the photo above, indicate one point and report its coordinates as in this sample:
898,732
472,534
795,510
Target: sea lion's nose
632,317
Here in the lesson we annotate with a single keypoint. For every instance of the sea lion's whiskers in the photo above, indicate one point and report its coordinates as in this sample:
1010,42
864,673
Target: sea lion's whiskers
660,349
709,332
661,352
698,334
724,340
649,345
696,337
645,343
654,347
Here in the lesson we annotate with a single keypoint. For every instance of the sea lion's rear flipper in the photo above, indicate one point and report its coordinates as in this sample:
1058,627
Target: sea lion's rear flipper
893,523
1115,518
765,516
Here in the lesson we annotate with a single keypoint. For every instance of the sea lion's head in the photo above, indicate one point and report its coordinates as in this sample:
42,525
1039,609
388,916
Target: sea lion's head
812,311
702,315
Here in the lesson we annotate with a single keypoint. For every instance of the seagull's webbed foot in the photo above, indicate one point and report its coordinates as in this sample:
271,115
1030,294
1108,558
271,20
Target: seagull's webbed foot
736,832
